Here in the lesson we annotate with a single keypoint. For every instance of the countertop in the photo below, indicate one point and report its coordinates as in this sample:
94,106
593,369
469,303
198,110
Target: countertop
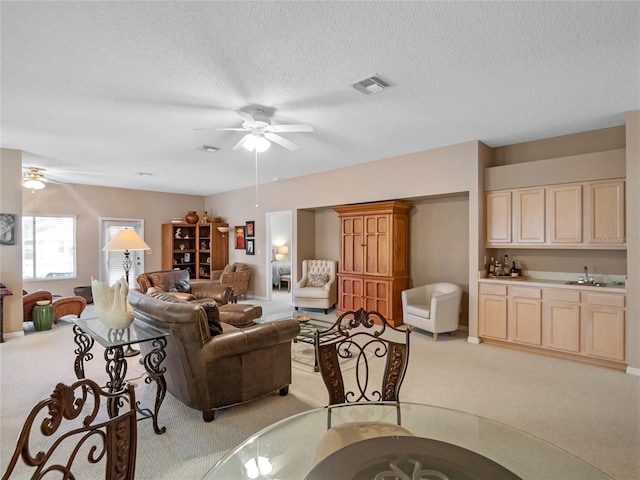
555,283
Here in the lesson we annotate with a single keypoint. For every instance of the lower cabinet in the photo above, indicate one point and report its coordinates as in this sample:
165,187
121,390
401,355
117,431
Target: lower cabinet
373,294
582,323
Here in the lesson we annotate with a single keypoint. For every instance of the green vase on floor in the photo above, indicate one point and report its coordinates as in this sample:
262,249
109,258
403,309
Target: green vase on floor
43,314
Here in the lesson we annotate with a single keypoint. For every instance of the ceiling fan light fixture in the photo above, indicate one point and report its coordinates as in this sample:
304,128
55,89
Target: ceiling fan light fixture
33,184
256,142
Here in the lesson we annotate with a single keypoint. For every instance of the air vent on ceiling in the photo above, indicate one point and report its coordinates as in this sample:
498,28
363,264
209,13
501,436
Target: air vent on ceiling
371,85
207,148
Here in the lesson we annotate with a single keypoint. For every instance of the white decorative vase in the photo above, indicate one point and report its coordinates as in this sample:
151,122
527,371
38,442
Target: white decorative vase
112,307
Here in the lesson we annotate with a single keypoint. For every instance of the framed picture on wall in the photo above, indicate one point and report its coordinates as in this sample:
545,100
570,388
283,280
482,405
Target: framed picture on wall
239,237
251,246
250,229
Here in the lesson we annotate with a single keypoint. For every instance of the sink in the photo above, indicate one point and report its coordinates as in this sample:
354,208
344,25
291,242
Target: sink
585,284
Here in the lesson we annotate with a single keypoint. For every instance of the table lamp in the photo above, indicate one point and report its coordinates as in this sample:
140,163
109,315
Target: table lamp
283,251
126,241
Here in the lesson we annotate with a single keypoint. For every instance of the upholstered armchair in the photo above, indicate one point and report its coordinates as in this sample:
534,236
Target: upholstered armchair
434,307
236,276
318,286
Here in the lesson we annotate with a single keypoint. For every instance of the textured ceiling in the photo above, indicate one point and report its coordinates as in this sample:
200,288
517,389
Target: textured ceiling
97,91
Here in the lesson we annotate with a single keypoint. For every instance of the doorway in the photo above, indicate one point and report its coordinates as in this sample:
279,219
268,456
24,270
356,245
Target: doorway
111,263
279,249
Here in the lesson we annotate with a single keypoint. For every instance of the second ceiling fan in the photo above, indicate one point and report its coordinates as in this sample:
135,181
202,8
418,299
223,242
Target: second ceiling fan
260,132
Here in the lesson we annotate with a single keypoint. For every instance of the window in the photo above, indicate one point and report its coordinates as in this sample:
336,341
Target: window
48,247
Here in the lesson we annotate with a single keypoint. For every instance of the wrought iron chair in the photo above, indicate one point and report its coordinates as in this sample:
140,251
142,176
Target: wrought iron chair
370,345
89,426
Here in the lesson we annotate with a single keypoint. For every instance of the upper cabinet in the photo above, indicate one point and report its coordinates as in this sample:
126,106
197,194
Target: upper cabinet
575,215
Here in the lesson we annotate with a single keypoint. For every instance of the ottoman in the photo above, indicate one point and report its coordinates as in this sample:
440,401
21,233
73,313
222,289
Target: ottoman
239,314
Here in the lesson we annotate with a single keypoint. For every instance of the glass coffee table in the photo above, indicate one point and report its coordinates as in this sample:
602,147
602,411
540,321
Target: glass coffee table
459,444
308,327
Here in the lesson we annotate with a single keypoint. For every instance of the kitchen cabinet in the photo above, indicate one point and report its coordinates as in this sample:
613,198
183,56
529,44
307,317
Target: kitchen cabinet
582,324
605,204
565,214
604,318
525,315
493,311
498,217
585,215
374,257
197,248
529,215
561,320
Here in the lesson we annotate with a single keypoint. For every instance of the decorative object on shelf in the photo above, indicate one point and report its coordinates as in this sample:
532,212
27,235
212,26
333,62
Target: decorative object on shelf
112,308
205,218
178,233
203,245
182,246
186,258
217,220
208,259
250,246
191,217
7,229
240,237
43,314
177,220
250,229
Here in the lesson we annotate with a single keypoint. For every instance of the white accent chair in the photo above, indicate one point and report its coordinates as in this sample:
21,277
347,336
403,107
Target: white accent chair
318,286
434,307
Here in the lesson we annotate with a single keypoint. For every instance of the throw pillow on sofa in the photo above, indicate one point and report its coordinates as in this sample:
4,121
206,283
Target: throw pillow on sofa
318,280
157,292
213,317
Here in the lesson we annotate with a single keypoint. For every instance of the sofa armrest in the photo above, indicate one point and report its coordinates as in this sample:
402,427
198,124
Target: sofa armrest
255,337
211,289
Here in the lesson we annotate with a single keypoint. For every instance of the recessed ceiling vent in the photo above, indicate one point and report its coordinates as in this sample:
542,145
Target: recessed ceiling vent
371,85
207,148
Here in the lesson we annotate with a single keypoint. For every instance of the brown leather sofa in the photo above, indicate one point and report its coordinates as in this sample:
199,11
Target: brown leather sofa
210,372
179,284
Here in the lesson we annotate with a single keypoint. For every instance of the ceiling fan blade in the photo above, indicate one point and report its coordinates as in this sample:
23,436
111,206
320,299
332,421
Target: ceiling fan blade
56,182
247,117
289,128
281,141
238,145
238,129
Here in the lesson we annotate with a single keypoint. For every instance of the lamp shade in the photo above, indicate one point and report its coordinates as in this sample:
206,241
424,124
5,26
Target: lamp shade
256,142
283,250
223,229
126,240
33,184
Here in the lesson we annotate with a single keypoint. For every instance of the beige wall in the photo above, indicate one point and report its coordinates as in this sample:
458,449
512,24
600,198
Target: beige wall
11,255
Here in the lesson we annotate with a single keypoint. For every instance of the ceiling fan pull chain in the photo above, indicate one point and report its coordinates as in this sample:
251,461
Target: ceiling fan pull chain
256,160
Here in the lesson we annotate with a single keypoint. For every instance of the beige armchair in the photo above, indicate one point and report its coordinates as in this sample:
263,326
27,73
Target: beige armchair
434,307
318,286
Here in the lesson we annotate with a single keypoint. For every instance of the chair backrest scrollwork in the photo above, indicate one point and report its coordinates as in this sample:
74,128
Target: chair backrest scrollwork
73,414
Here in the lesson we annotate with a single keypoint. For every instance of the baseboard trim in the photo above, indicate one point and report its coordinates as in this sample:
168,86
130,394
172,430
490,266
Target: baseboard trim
633,371
474,340
13,334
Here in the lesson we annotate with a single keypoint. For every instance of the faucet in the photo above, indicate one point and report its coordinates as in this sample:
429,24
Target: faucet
586,276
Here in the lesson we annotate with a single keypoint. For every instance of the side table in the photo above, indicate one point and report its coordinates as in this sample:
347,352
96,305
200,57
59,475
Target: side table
114,341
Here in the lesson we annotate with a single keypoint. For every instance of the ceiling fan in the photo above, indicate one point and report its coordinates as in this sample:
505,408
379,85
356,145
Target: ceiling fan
260,132
35,180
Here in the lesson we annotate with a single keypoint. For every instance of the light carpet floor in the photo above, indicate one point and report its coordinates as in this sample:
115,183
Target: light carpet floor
591,412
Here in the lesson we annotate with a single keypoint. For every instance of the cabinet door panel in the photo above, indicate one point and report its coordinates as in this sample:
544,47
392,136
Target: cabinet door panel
493,316
352,245
605,332
606,213
377,245
561,326
530,215
377,296
565,214
350,293
525,321
498,217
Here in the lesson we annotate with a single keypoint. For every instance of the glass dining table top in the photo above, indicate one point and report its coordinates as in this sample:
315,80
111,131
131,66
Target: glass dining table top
286,449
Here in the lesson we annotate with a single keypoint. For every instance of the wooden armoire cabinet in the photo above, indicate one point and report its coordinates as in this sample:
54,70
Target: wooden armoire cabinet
374,257
199,248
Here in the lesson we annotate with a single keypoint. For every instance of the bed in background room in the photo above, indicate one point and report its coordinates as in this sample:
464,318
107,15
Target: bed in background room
279,268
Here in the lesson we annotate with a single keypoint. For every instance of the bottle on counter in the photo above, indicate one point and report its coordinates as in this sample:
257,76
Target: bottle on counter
492,267
514,270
